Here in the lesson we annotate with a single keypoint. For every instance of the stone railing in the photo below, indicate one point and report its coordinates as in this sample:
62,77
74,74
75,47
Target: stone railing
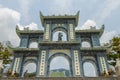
92,48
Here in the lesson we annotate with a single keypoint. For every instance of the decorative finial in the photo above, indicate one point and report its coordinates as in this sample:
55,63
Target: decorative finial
41,13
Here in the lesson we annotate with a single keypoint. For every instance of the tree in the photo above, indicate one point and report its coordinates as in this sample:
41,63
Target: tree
116,45
5,54
113,50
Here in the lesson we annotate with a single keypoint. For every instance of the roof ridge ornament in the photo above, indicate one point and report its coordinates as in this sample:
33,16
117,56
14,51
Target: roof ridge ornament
78,12
103,27
41,13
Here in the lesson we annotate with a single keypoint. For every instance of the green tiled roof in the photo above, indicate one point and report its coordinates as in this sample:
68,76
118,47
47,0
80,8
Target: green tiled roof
92,48
19,32
89,31
12,49
76,17
60,42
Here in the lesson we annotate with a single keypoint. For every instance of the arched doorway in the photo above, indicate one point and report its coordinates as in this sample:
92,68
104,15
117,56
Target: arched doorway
56,31
33,44
29,68
63,63
59,65
86,44
90,69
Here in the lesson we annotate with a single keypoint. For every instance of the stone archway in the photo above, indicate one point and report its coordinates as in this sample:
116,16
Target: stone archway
33,43
56,30
90,68
86,43
57,55
55,36
29,65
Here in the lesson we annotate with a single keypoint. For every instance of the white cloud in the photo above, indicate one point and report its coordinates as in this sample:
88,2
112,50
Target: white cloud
24,8
31,26
88,24
106,9
0,5
8,20
107,36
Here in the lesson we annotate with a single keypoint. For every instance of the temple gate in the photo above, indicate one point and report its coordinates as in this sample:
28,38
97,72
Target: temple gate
73,48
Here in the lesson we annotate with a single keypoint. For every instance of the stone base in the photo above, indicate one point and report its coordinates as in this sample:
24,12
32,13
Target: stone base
64,78
117,67
117,70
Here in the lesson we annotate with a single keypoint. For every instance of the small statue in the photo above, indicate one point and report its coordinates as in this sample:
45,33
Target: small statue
16,74
9,73
25,73
60,36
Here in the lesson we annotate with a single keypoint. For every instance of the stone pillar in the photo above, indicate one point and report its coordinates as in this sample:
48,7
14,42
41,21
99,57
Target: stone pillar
47,33
103,65
1,65
71,36
24,41
16,66
117,67
95,40
42,65
76,64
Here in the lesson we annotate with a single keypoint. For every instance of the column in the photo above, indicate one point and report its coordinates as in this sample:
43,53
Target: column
16,65
47,32
42,63
103,64
24,41
76,63
71,36
95,40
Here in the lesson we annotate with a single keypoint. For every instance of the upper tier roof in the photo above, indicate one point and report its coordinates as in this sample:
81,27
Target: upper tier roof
75,17
34,32
90,31
27,31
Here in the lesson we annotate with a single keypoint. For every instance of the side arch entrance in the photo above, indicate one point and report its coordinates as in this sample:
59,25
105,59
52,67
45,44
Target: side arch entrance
29,67
90,68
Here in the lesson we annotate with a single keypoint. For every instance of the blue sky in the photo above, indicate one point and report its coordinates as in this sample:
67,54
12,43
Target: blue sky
26,13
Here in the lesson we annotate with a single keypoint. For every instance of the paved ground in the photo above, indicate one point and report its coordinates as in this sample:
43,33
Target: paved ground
63,78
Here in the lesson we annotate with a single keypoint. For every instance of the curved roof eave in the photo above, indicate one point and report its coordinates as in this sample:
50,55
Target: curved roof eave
19,32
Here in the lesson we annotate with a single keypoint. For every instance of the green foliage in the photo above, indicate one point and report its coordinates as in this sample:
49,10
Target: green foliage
112,56
57,74
115,47
31,74
5,54
0,75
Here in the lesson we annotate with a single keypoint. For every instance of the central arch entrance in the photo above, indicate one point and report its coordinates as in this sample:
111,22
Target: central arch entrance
59,65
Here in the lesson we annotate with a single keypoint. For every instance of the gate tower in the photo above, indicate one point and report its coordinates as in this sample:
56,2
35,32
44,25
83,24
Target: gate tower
72,49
